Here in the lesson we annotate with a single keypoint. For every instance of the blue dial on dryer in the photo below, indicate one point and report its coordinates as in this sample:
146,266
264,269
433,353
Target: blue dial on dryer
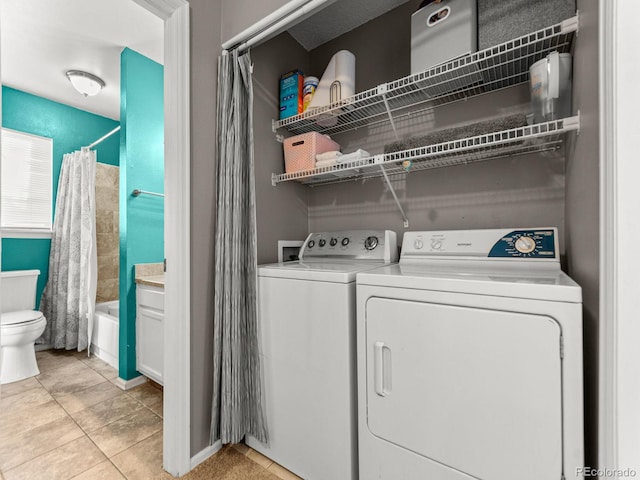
526,244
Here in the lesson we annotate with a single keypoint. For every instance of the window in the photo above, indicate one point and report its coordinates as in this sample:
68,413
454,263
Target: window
26,189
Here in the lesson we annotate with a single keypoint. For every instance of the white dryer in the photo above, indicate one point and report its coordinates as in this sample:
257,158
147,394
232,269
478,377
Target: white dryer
470,360
307,316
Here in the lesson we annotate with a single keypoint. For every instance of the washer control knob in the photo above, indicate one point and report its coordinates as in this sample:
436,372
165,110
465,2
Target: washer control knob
436,244
525,244
333,242
311,244
322,242
345,241
418,244
371,242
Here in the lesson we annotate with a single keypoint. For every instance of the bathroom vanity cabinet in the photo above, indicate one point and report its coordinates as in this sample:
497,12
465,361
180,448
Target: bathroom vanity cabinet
150,331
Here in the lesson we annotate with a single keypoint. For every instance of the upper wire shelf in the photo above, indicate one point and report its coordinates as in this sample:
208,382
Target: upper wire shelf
491,69
540,137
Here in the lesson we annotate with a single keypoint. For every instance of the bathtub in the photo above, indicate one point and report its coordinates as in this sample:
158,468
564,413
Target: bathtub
104,342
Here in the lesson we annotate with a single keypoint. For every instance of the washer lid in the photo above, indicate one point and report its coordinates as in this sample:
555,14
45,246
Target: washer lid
465,277
21,316
320,271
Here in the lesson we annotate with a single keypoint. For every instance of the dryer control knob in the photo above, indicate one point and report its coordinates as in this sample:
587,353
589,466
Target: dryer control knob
436,244
371,242
418,244
345,241
333,242
311,244
322,242
525,244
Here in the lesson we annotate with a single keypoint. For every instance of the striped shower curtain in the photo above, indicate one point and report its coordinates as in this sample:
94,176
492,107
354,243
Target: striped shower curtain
237,399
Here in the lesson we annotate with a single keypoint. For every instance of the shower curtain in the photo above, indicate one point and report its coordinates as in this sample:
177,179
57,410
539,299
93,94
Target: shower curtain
237,399
68,301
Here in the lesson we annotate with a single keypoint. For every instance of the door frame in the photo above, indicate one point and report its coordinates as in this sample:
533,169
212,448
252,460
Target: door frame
619,331
177,186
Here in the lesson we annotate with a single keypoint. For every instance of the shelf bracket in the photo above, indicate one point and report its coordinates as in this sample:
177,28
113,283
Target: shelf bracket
382,91
274,179
395,197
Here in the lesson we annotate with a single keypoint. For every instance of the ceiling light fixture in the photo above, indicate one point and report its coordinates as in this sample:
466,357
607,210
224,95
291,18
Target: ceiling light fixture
85,83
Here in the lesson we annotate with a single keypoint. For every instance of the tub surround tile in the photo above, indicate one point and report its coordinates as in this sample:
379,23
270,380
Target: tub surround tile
126,432
143,460
149,269
105,198
108,290
105,222
107,175
74,402
27,444
103,471
107,243
106,412
73,378
17,388
61,463
108,270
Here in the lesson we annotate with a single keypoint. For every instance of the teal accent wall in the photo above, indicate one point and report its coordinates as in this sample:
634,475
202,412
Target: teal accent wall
70,129
141,167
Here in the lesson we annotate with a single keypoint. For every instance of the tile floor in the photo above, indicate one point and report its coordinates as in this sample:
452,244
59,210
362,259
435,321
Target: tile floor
73,422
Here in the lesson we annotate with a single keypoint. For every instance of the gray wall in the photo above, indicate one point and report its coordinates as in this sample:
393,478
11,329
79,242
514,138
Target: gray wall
508,192
281,212
205,48
582,209
238,15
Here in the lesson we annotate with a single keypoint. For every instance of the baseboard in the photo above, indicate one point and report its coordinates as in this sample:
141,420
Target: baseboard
202,455
129,384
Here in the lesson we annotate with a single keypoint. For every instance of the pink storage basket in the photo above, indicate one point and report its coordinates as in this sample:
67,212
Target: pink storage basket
300,151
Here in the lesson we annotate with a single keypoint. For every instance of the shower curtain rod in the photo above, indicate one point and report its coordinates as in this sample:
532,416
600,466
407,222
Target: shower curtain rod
103,138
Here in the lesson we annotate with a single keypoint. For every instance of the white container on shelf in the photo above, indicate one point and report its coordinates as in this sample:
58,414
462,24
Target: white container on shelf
550,83
442,31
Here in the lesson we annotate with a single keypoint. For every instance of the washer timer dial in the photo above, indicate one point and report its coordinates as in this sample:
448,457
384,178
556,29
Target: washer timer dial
525,244
371,242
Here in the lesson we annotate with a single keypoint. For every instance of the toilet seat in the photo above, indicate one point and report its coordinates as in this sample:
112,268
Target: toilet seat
21,318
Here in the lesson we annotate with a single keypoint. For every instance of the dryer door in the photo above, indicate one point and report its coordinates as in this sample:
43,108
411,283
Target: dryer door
473,389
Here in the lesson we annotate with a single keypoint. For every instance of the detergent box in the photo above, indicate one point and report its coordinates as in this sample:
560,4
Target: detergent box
291,85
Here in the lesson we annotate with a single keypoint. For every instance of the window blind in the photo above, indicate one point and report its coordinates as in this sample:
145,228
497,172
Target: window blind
26,193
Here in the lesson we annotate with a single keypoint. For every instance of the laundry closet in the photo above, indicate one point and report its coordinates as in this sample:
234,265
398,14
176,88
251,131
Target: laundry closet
555,187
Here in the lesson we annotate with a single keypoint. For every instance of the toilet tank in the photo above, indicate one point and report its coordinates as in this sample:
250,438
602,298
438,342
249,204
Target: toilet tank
18,290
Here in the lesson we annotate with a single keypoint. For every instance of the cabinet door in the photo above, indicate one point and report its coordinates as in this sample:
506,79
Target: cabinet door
150,342
474,389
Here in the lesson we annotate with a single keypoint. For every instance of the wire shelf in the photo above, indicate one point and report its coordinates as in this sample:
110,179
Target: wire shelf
540,137
488,70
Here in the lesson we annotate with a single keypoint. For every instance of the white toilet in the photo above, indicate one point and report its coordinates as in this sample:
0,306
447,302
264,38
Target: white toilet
21,325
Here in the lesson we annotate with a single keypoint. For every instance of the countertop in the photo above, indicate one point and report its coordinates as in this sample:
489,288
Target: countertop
152,280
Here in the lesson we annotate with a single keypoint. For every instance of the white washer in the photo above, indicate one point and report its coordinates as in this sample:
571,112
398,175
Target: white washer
470,360
307,332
